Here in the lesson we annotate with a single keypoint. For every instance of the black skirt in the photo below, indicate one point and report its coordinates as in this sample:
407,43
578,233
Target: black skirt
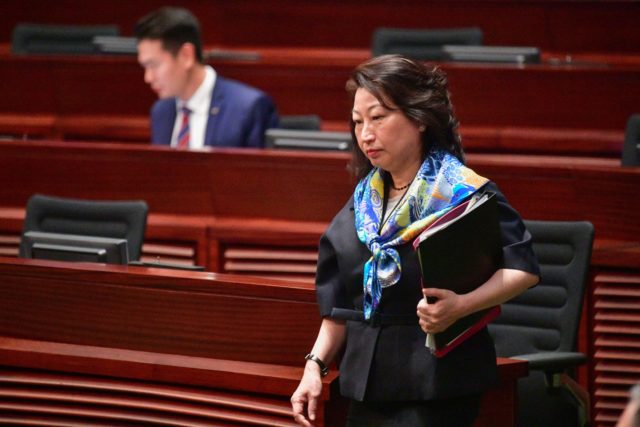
459,412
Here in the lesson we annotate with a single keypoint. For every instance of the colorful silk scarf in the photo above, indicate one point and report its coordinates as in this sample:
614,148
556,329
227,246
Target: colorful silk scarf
441,183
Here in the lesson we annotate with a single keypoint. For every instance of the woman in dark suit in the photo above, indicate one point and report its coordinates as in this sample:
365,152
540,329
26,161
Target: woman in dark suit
410,166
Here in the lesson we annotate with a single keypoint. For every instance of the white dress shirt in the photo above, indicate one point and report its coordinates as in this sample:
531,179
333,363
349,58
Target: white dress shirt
199,105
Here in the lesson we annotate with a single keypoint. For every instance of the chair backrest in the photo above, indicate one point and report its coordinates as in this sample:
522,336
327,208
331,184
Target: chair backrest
58,39
631,148
546,317
301,122
117,219
422,44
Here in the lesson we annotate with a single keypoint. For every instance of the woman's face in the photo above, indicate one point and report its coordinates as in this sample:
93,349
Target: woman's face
387,137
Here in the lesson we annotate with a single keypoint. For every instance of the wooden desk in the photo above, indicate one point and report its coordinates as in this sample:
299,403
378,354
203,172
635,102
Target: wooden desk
502,108
90,342
309,186
584,95
226,348
225,198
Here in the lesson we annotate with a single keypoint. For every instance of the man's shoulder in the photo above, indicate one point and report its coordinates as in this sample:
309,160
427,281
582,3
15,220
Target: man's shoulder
163,106
239,90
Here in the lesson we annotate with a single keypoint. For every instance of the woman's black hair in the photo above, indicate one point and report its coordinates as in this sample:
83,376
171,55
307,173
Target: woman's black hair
421,93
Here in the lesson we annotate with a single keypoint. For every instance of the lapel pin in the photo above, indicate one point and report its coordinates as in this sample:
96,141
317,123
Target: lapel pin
215,110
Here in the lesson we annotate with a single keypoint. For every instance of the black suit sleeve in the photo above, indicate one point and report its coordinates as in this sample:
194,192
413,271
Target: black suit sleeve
517,247
329,291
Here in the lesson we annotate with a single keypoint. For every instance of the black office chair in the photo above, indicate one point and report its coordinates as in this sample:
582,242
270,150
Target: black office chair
301,122
422,44
631,147
58,39
116,219
541,326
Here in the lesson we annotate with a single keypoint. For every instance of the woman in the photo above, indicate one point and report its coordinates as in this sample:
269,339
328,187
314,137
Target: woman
410,164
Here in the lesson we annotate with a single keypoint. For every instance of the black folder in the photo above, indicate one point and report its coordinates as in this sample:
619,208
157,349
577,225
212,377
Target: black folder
461,251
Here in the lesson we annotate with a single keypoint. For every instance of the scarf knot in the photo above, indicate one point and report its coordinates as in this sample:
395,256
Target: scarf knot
442,182
388,266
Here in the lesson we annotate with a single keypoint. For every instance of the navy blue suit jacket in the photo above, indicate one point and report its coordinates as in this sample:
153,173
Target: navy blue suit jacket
238,116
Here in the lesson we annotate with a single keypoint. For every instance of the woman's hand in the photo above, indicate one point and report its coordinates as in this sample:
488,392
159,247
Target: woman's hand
304,400
449,307
306,395
438,316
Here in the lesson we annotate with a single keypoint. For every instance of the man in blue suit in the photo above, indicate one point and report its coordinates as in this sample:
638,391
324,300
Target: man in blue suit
197,107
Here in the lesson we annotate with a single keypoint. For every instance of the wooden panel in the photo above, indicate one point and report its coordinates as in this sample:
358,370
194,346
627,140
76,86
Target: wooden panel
551,24
104,128
27,126
199,183
310,187
477,139
75,127
162,367
617,343
483,94
125,299
569,89
9,244
73,370
550,141
87,384
140,327
295,263
169,252
554,188
70,392
25,394
100,179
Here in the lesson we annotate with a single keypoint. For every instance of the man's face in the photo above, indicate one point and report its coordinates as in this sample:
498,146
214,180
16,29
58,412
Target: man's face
165,73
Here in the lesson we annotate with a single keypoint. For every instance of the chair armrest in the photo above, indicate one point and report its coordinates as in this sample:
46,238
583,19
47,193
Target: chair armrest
554,365
553,361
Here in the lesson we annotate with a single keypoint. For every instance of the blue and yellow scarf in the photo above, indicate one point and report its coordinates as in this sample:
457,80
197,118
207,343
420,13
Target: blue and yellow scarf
441,183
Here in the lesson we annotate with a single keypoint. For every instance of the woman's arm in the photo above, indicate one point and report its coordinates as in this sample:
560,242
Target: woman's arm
330,339
449,307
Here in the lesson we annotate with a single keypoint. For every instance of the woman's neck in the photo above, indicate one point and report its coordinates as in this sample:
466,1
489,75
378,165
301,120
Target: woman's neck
401,180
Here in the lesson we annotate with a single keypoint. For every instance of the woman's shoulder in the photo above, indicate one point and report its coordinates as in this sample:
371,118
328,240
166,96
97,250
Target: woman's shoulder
341,223
492,187
344,215
503,202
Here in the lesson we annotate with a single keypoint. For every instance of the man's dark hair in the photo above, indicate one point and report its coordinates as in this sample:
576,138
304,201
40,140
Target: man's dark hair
174,26
419,92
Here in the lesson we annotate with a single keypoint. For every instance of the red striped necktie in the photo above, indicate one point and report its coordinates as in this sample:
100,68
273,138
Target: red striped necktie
183,135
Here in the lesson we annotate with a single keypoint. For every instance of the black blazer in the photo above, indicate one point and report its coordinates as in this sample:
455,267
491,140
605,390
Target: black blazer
391,362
